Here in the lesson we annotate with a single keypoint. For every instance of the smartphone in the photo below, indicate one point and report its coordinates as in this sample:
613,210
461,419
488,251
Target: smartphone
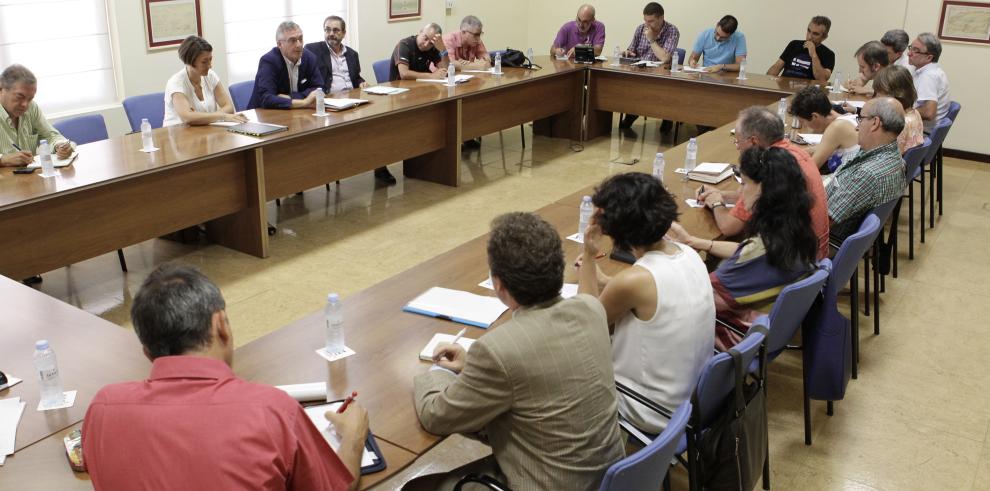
73,450
24,170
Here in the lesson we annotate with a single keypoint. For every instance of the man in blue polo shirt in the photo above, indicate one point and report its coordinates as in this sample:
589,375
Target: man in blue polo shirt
722,46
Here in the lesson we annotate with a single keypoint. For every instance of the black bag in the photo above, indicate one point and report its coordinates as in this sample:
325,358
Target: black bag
514,58
732,452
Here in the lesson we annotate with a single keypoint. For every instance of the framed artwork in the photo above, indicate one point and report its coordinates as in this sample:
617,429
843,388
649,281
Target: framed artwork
404,9
168,22
967,22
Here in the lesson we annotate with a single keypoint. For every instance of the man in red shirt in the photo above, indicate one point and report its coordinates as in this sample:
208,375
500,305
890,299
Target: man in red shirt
193,424
758,126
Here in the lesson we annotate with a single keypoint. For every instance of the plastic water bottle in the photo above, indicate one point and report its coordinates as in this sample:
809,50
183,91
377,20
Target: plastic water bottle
691,158
529,54
742,69
321,107
47,366
498,63
658,166
45,155
334,313
147,142
837,83
674,61
587,208
616,54
782,108
451,75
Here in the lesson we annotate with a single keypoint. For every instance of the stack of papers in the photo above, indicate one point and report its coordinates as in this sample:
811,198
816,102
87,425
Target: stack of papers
711,173
339,104
10,415
59,163
427,353
458,306
316,415
385,90
811,138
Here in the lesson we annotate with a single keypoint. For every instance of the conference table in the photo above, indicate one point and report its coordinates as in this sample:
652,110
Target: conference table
386,340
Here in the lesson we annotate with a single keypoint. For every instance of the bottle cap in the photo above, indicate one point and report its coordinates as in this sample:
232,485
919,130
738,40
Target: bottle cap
41,345
144,120
333,297
660,155
586,199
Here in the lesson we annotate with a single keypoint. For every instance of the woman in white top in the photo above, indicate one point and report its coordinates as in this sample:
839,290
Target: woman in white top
195,95
661,309
840,142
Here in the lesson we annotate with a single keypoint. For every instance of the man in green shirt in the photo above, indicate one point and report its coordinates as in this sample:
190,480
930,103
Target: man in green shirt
22,124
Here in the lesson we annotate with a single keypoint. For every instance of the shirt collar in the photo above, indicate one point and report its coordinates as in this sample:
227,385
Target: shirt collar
885,148
290,64
5,117
343,50
168,367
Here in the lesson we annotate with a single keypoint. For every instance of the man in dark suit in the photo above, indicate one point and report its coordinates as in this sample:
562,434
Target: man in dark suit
287,75
334,59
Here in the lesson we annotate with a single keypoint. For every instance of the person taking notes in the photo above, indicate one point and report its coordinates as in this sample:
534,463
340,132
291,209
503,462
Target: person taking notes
22,124
195,95
719,48
582,30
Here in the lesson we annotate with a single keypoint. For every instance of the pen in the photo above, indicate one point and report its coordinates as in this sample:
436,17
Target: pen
701,190
459,336
599,256
347,402
16,147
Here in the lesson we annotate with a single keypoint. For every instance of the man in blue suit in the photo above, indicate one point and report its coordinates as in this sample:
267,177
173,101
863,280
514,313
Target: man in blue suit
288,74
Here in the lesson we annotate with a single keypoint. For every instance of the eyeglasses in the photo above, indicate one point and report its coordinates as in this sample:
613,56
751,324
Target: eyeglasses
917,51
864,117
475,34
332,29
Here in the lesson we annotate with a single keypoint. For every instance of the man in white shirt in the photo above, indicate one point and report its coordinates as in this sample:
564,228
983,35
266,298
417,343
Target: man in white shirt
929,79
896,41
339,64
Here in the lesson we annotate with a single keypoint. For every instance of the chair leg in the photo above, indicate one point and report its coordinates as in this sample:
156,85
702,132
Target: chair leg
933,169
941,176
807,411
911,220
854,321
766,467
278,202
522,135
870,256
328,186
921,204
829,408
666,481
878,278
123,262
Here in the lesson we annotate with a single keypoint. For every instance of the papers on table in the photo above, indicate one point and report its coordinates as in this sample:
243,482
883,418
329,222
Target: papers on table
11,381
458,306
576,237
688,68
646,63
59,163
811,138
68,399
427,353
11,410
711,173
458,79
328,356
490,70
568,290
316,415
315,391
693,203
339,104
384,90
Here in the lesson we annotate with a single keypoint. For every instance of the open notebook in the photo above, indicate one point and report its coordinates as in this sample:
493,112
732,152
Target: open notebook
59,163
427,353
372,459
458,306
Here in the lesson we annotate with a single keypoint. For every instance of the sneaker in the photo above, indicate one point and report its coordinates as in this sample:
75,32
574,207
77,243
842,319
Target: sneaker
33,280
382,174
628,121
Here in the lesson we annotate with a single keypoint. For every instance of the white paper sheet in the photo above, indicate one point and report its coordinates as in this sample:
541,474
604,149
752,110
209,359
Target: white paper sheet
314,391
811,138
316,415
385,90
11,410
457,79
688,68
59,163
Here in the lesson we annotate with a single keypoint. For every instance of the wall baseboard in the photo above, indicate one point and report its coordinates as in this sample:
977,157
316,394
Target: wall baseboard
963,154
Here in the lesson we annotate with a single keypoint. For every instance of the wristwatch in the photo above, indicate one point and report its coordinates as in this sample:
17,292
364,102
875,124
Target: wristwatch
717,204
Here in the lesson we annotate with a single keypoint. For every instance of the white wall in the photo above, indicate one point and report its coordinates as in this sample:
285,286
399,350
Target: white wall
520,24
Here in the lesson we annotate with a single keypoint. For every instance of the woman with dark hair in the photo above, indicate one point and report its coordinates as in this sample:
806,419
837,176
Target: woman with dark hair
779,248
839,139
661,308
195,95
896,81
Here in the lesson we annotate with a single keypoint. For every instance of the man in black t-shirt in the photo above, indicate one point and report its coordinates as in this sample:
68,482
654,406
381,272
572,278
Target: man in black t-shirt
809,58
412,56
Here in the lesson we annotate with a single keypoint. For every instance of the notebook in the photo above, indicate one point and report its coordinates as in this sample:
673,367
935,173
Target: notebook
811,138
371,460
341,103
457,306
59,163
427,353
385,90
711,173
257,129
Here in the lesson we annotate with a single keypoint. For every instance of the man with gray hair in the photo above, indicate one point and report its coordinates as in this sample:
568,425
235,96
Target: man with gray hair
194,422
412,56
287,75
896,41
22,124
929,79
758,126
875,175
465,48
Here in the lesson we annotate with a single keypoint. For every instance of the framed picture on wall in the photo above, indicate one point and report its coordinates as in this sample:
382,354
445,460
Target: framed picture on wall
168,22
404,9
965,22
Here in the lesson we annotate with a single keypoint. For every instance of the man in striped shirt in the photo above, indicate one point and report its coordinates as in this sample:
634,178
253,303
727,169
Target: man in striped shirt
654,40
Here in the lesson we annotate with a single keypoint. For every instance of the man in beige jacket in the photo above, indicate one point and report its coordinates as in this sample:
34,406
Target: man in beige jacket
539,389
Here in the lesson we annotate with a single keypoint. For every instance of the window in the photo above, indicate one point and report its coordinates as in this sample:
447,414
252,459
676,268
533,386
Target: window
250,28
66,43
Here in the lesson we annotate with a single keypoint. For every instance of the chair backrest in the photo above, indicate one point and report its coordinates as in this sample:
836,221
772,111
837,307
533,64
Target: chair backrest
790,308
850,252
718,379
83,129
954,108
151,106
646,469
382,69
914,157
884,211
241,94
939,132
681,53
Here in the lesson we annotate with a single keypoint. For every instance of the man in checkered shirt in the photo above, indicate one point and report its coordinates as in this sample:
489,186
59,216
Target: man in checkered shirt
654,40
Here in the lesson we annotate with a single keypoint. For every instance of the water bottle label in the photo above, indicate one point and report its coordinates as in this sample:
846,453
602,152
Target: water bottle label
49,374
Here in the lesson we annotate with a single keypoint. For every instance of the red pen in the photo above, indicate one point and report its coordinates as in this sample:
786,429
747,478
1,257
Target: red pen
347,402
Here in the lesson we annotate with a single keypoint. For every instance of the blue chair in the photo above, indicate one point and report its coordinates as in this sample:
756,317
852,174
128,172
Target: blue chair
382,69
681,53
830,340
934,162
88,129
151,106
647,469
240,93
790,309
913,159
951,114
880,257
954,108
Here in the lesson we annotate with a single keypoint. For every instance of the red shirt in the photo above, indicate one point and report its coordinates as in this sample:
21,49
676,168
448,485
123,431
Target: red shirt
819,203
194,425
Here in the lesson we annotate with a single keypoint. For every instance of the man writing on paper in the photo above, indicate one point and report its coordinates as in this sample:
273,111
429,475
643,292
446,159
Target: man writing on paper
870,58
723,47
193,424
654,40
465,48
583,30
287,75
809,58
550,420
760,127
339,65
22,124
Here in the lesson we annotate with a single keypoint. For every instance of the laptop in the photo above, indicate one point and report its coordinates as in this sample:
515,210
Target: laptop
584,53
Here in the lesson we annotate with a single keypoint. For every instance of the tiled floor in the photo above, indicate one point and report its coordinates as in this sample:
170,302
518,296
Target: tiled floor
917,418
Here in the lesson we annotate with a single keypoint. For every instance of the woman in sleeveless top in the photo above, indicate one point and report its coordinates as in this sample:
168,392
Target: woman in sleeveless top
195,95
779,248
840,142
896,81
661,308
